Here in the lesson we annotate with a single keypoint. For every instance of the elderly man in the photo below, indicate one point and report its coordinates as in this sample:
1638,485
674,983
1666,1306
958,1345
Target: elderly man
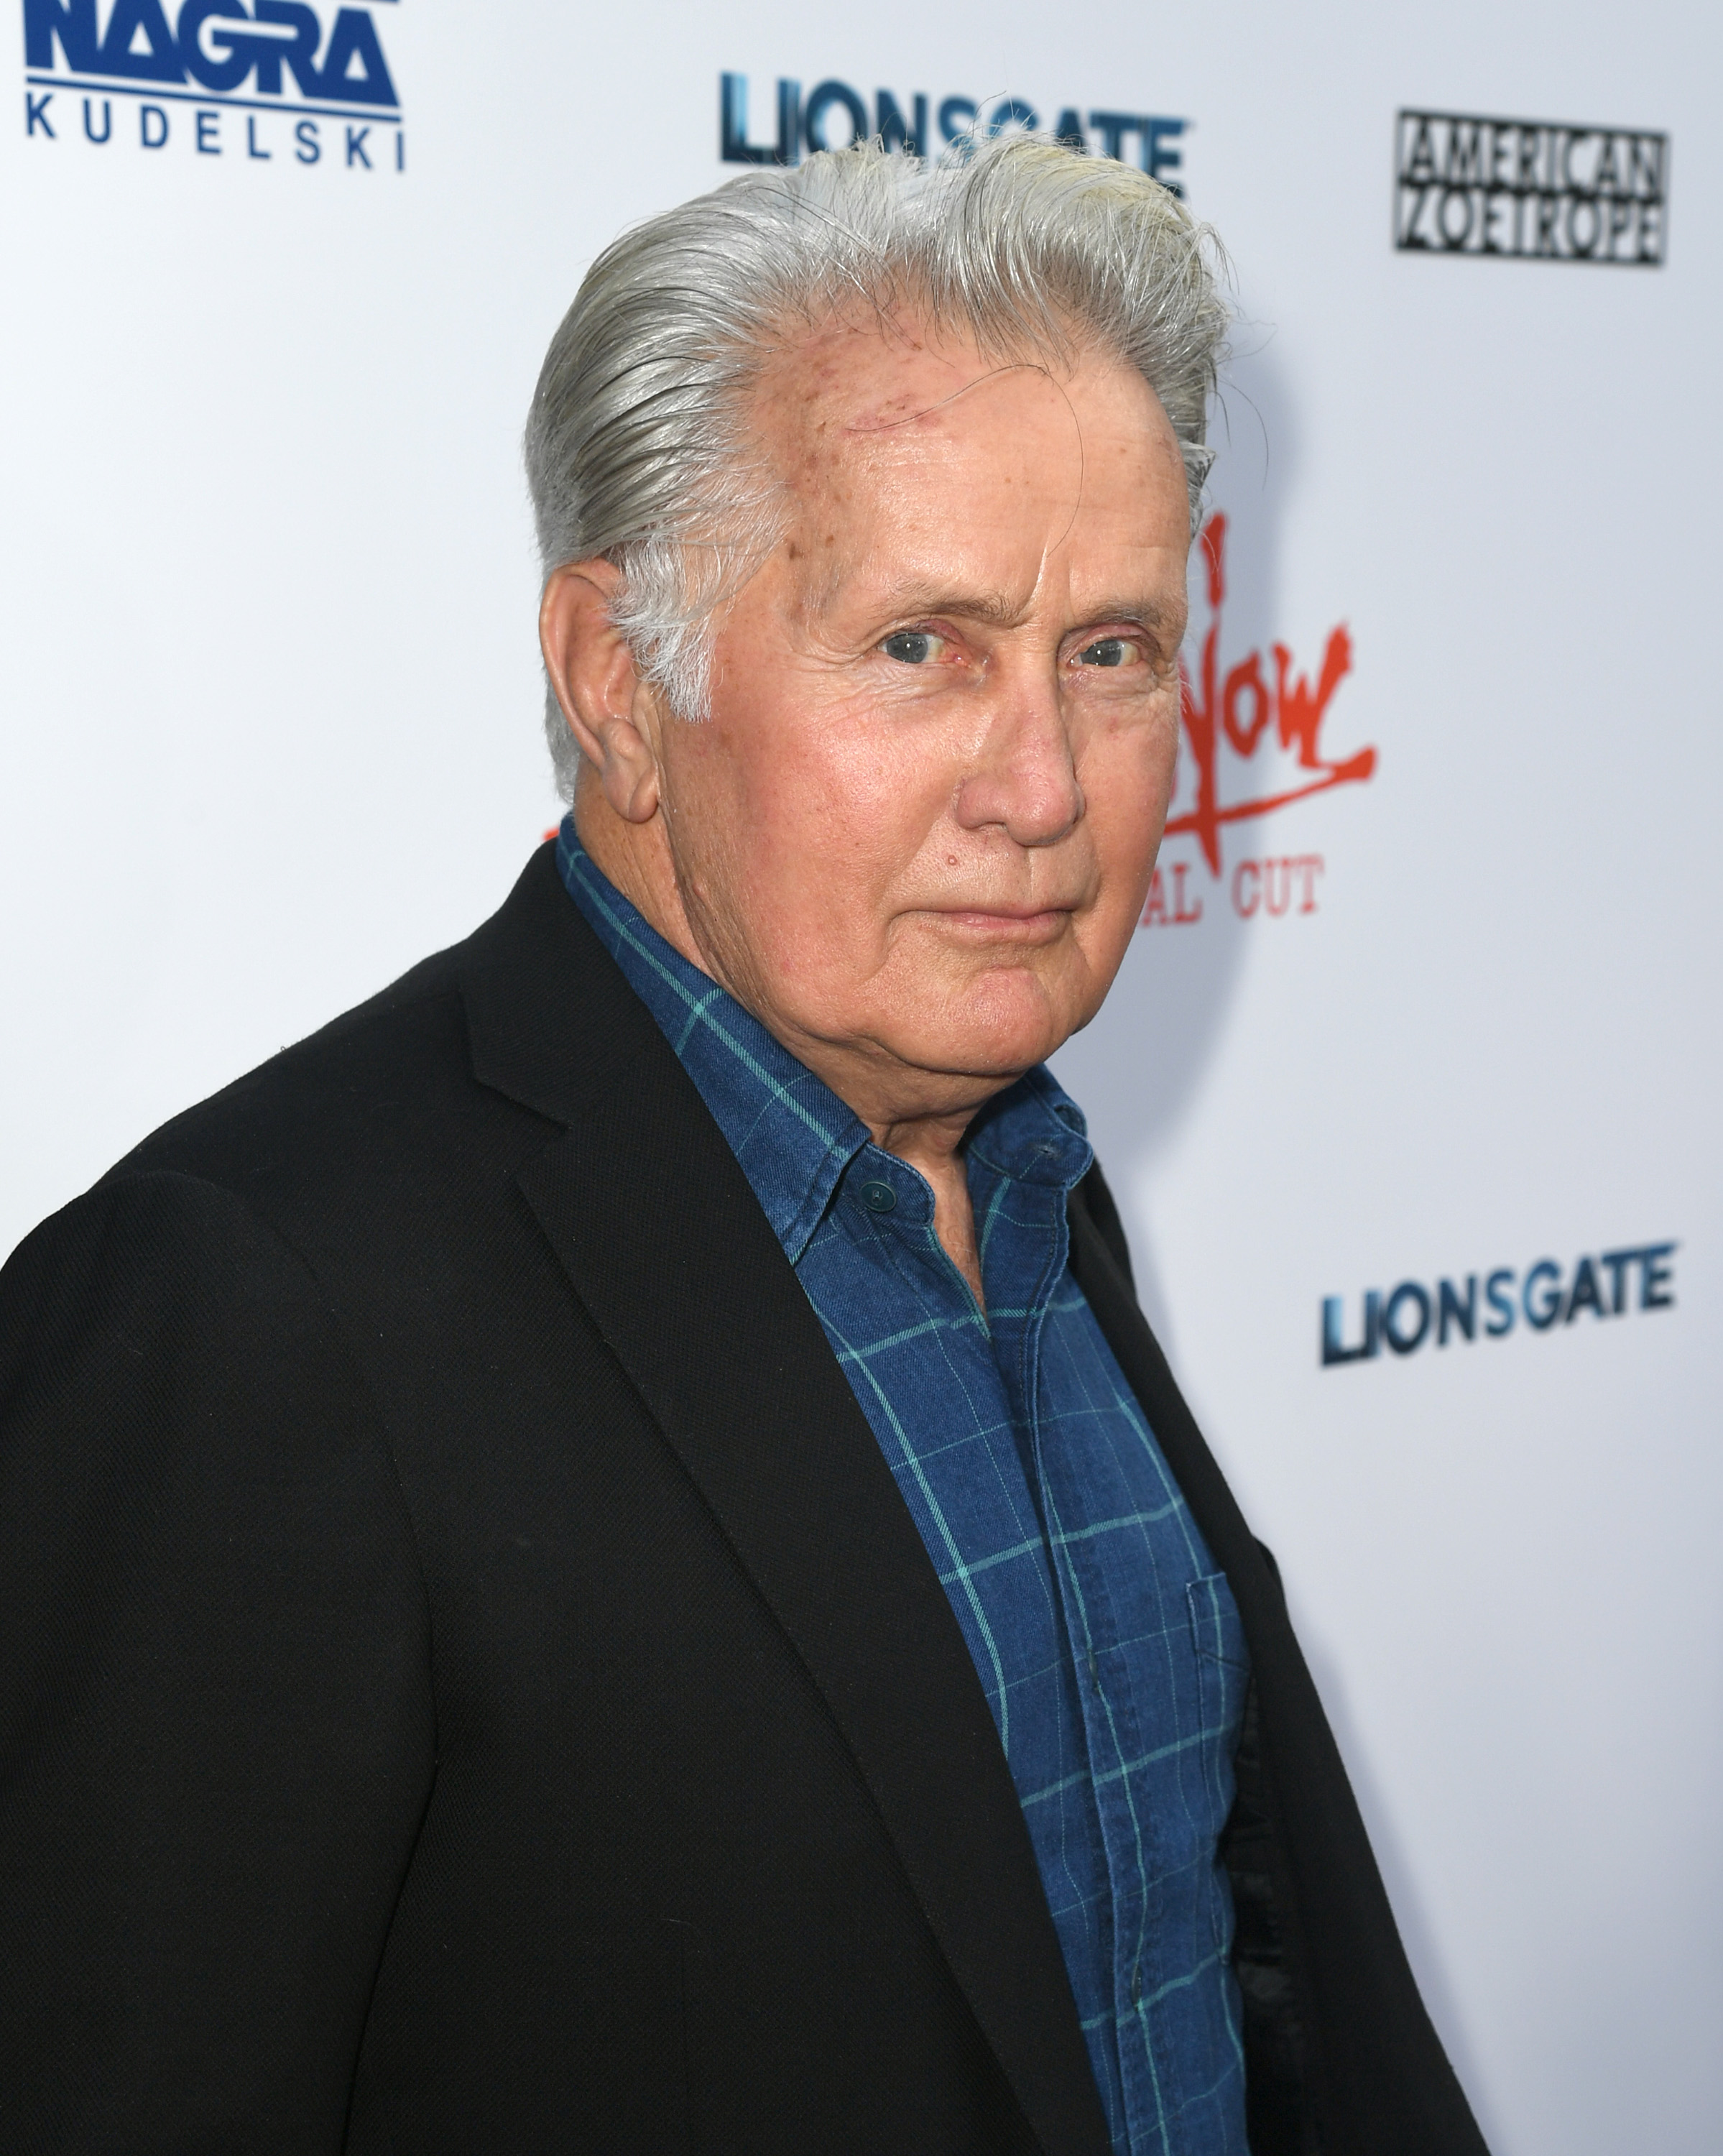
599,1557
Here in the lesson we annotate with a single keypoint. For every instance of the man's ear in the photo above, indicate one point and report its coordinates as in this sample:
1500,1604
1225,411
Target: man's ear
610,710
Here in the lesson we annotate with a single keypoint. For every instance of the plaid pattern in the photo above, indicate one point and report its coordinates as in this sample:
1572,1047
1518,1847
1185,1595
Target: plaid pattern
1108,1645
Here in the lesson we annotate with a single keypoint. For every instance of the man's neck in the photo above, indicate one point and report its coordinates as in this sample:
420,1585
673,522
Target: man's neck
926,1134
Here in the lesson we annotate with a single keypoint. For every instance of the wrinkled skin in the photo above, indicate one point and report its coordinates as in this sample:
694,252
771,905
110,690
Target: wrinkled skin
915,833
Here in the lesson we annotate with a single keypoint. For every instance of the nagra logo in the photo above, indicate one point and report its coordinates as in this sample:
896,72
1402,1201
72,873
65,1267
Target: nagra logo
1239,724
259,79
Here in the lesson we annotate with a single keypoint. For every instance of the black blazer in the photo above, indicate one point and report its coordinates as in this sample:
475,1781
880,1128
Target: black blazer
468,1683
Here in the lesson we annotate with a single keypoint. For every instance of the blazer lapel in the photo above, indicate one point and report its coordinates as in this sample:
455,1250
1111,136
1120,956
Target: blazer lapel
667,1247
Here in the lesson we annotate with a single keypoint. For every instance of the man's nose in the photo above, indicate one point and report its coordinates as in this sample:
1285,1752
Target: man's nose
1023,777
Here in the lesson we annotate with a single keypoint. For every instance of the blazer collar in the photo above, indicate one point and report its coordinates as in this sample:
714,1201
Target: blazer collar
730,1360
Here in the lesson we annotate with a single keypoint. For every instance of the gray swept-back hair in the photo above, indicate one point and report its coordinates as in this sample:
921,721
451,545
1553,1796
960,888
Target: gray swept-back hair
637,447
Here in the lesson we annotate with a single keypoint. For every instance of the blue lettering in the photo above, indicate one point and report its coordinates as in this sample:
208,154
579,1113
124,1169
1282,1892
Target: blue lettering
355,147
353,43
1070,129
107,121
1013,112
1408,1292
1333,1349
145,114
139,44
400,150
1159,162
1618,1262
734,147
956,117
251,148
300,54
209,138
1654,1276
310,148
1583,1295
1502,1304
1113,127
1452,1310
73,22
820,100
1549,1305
894,130
36,114
229,64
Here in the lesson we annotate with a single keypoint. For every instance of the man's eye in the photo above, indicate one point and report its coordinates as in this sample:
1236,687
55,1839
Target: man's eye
913,647
1108,651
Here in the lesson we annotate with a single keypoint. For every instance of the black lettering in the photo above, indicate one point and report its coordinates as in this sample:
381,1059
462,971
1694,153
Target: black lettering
1454,240
1465,153
1421,165
1410,236
1472,184
1588,207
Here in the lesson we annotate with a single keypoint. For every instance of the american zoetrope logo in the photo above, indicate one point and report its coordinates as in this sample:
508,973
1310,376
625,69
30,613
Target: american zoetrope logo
264,81
1530,190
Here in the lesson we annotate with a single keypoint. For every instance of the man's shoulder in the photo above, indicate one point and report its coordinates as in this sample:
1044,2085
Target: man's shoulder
333,1102
384,1098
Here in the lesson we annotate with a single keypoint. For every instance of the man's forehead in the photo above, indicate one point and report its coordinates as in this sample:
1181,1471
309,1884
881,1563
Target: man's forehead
853,386
957,474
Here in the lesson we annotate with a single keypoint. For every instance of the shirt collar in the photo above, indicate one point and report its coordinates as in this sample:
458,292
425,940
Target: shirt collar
792,1136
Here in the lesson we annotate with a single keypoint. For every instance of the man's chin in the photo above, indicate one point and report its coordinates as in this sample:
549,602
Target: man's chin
992,1045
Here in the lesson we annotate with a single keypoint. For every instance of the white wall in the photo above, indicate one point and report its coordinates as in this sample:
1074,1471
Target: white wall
269,716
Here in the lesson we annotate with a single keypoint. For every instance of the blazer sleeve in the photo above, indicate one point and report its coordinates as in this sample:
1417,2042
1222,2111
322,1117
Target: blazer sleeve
217,1737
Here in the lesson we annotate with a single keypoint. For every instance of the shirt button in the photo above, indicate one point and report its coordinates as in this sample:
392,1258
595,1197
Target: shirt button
879,1196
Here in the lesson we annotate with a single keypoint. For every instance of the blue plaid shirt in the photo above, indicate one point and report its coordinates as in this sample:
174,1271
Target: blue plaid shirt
1106,1641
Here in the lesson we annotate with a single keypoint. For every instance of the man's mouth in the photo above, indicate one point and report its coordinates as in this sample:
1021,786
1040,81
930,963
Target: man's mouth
1029,925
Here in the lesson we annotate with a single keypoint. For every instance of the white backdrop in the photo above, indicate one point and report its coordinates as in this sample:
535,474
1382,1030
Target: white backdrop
270,700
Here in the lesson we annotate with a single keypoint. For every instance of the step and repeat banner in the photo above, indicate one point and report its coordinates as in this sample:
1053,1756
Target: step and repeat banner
1410,1086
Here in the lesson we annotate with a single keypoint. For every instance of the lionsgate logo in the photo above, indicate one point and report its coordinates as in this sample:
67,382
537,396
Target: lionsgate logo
1530,190
1638,1276
268,82
834,114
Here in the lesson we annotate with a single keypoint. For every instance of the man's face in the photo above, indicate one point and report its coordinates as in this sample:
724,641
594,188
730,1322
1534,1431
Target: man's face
917,831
